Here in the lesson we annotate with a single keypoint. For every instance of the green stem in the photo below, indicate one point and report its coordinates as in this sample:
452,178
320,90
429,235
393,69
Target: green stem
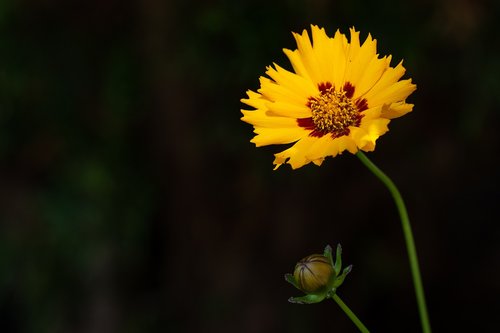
350,314
410,243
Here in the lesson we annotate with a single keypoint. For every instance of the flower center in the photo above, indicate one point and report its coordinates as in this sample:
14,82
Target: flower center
333,112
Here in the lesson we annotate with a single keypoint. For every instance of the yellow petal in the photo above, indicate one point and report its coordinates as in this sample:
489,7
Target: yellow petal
397,92
396,110
319,148
388,78
371,75
339,59
328,146
353,49
275,92
349,144
372,113
369,131
308,56
295,155
297,63
293,82
360,136
360,57
255,100
289,110
324,49
263,119
322,46
275,136
339,145
318,161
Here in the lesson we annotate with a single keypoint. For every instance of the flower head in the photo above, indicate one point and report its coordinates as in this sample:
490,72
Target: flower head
340,96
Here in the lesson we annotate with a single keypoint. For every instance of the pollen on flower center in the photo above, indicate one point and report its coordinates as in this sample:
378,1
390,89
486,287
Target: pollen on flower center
333,112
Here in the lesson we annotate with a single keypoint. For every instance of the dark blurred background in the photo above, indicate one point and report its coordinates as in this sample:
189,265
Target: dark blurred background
131,199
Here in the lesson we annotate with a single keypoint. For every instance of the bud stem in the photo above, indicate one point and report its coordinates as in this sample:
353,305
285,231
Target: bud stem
350,314
410,243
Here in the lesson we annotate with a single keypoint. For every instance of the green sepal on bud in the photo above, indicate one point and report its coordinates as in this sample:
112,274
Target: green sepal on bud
318,276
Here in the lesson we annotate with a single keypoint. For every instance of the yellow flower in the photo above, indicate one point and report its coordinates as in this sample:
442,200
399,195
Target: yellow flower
340,96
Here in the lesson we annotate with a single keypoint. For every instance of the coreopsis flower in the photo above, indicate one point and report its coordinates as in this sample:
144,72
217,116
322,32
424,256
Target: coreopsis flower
340,96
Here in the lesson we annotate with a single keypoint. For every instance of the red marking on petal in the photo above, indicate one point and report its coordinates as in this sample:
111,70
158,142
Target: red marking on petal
345,131
317,133
308,104
324,86
348,89
362,104
306,123
358,120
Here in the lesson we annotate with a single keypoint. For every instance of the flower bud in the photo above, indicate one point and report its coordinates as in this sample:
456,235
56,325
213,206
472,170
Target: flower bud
313,273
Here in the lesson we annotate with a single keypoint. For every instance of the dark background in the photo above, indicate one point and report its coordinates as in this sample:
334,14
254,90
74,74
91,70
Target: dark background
131,199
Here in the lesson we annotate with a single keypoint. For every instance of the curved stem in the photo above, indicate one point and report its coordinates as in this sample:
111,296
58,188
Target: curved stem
350,314
410,243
